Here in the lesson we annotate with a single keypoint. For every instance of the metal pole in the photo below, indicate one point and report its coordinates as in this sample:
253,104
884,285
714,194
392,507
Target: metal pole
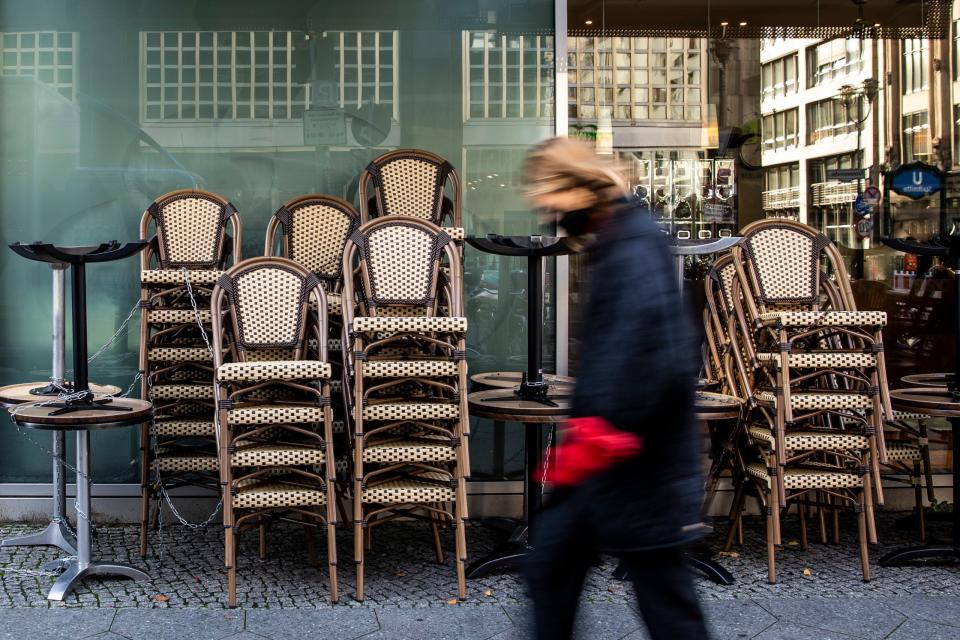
83,499
79,273
535,322
57,371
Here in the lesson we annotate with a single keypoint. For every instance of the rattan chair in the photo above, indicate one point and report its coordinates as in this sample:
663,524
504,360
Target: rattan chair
821,360
407,367
313,230
274,427
816,466
192,236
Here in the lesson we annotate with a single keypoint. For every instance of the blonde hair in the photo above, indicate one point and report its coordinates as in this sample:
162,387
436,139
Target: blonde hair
561,164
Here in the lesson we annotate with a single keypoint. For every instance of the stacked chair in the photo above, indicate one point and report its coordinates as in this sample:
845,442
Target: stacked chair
274,420
811,368
405,350
189,246
313,231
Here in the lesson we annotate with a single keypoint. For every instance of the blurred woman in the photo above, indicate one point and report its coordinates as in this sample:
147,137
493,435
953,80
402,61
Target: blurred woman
625,476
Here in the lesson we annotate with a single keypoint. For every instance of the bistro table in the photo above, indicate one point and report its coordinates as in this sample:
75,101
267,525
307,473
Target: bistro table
507,380
532,415
124,412
939,380
57,533
934,402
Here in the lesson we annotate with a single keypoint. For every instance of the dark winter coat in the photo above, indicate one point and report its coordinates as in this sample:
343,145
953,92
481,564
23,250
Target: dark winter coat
636,370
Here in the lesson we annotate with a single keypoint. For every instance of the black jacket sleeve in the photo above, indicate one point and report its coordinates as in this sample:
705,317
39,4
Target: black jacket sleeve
637,358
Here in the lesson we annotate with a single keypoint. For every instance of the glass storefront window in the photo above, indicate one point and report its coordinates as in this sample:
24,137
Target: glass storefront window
102,109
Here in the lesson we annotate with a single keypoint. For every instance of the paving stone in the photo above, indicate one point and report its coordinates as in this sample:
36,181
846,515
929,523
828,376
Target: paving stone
791,631
341,623
942,610
53,624
172,624
862,618
109,635
402,572
913,629
593,620
736,619
451,623
246,635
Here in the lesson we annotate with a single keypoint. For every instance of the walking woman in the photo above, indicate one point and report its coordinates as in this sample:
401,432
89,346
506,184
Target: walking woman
625,476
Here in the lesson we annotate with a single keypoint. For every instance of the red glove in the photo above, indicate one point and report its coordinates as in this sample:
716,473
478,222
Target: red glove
590,445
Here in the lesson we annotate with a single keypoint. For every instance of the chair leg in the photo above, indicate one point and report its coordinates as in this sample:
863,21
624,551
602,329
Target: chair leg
263,539
918,501
802,512
311,546
734,517
231,553
461,544
332,562
771,545
144,517
862,538
358,548
821,518
437,546
868,506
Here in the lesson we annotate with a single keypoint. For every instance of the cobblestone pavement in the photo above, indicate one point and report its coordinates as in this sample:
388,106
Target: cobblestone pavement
404,582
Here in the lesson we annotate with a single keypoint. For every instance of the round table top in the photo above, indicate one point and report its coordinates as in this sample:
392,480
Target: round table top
15,394
932,401
501,404
511,379
716,406
39,417
926,380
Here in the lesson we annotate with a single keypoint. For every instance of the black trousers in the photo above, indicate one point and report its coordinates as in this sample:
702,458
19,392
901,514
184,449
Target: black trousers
565,549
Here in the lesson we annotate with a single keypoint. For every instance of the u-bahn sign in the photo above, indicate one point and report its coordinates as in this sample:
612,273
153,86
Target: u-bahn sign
916,180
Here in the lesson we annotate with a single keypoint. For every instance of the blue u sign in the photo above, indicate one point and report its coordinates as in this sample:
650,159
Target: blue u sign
916,180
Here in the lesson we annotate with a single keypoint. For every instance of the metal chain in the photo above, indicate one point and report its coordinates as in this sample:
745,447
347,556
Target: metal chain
37,573
196,311
117,333
546,460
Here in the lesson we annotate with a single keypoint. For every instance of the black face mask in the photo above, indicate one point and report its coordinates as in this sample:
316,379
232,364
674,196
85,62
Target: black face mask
576,222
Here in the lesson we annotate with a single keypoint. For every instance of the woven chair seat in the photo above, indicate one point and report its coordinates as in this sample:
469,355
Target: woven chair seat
334,304
825,318
457,234
178,316
266,494
411,411
181,392
200,462
831,360
184,428
903,452
819,401
408,451
410,491
426,324
273,455
906,415
175,276
409,368
275,414
813,440
179,354
801,478
265,370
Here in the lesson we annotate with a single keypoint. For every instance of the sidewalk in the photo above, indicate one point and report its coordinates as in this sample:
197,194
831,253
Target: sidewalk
907,618
819,594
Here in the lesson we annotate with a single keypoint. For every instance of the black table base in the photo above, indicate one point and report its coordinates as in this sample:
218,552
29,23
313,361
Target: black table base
507,554
699,558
